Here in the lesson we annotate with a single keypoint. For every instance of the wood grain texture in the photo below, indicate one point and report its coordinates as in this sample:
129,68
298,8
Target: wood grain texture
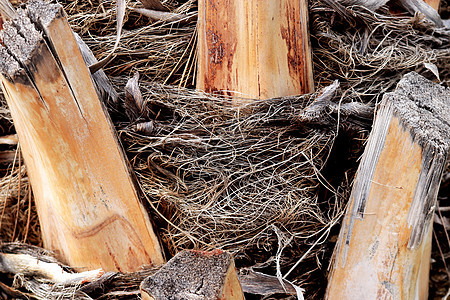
254,49
372,267
384,247
87,203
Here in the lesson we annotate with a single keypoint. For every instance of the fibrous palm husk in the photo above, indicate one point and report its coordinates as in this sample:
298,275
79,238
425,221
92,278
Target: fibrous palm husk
262,180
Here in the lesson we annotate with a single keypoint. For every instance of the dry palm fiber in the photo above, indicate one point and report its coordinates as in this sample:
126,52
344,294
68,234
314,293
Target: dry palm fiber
110,285
228,175
158,50
245,179
368,52
18,216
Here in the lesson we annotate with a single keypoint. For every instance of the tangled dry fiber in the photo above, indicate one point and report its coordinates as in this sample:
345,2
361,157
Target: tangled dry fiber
265,181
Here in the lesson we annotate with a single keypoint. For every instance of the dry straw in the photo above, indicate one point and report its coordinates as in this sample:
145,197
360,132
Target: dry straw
247,179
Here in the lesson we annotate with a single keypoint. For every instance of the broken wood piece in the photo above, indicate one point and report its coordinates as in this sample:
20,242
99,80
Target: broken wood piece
325,113
433,3
254,49
103,86
195,275
88,206
262,284
27,265
384,247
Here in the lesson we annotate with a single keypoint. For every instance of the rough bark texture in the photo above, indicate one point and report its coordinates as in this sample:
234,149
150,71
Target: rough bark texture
384,247
254,49
195,275
87,203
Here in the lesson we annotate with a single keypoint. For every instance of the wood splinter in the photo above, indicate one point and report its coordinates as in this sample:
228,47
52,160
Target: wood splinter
88,206
384,247
195,275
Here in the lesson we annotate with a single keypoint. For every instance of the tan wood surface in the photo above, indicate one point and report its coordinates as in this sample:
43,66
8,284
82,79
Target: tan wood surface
433,3
87,203
231,289
384,247
383,234
254,49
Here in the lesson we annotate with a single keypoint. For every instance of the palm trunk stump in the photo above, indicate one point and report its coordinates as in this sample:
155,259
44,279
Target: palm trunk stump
384,248
87,202
254,49
207,275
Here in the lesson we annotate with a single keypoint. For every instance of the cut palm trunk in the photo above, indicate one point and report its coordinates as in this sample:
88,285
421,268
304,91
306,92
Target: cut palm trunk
254,49
195,275
433,3
87,202
384,247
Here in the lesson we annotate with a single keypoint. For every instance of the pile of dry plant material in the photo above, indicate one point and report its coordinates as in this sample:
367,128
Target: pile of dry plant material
160,51
228,176
268,181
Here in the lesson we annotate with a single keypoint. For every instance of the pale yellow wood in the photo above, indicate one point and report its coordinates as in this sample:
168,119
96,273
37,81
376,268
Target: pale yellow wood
434,3
384,247
146,296
232,289
379,264
254,49
87,204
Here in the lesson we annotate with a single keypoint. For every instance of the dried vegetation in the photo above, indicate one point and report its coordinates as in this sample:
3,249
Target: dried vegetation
266,180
